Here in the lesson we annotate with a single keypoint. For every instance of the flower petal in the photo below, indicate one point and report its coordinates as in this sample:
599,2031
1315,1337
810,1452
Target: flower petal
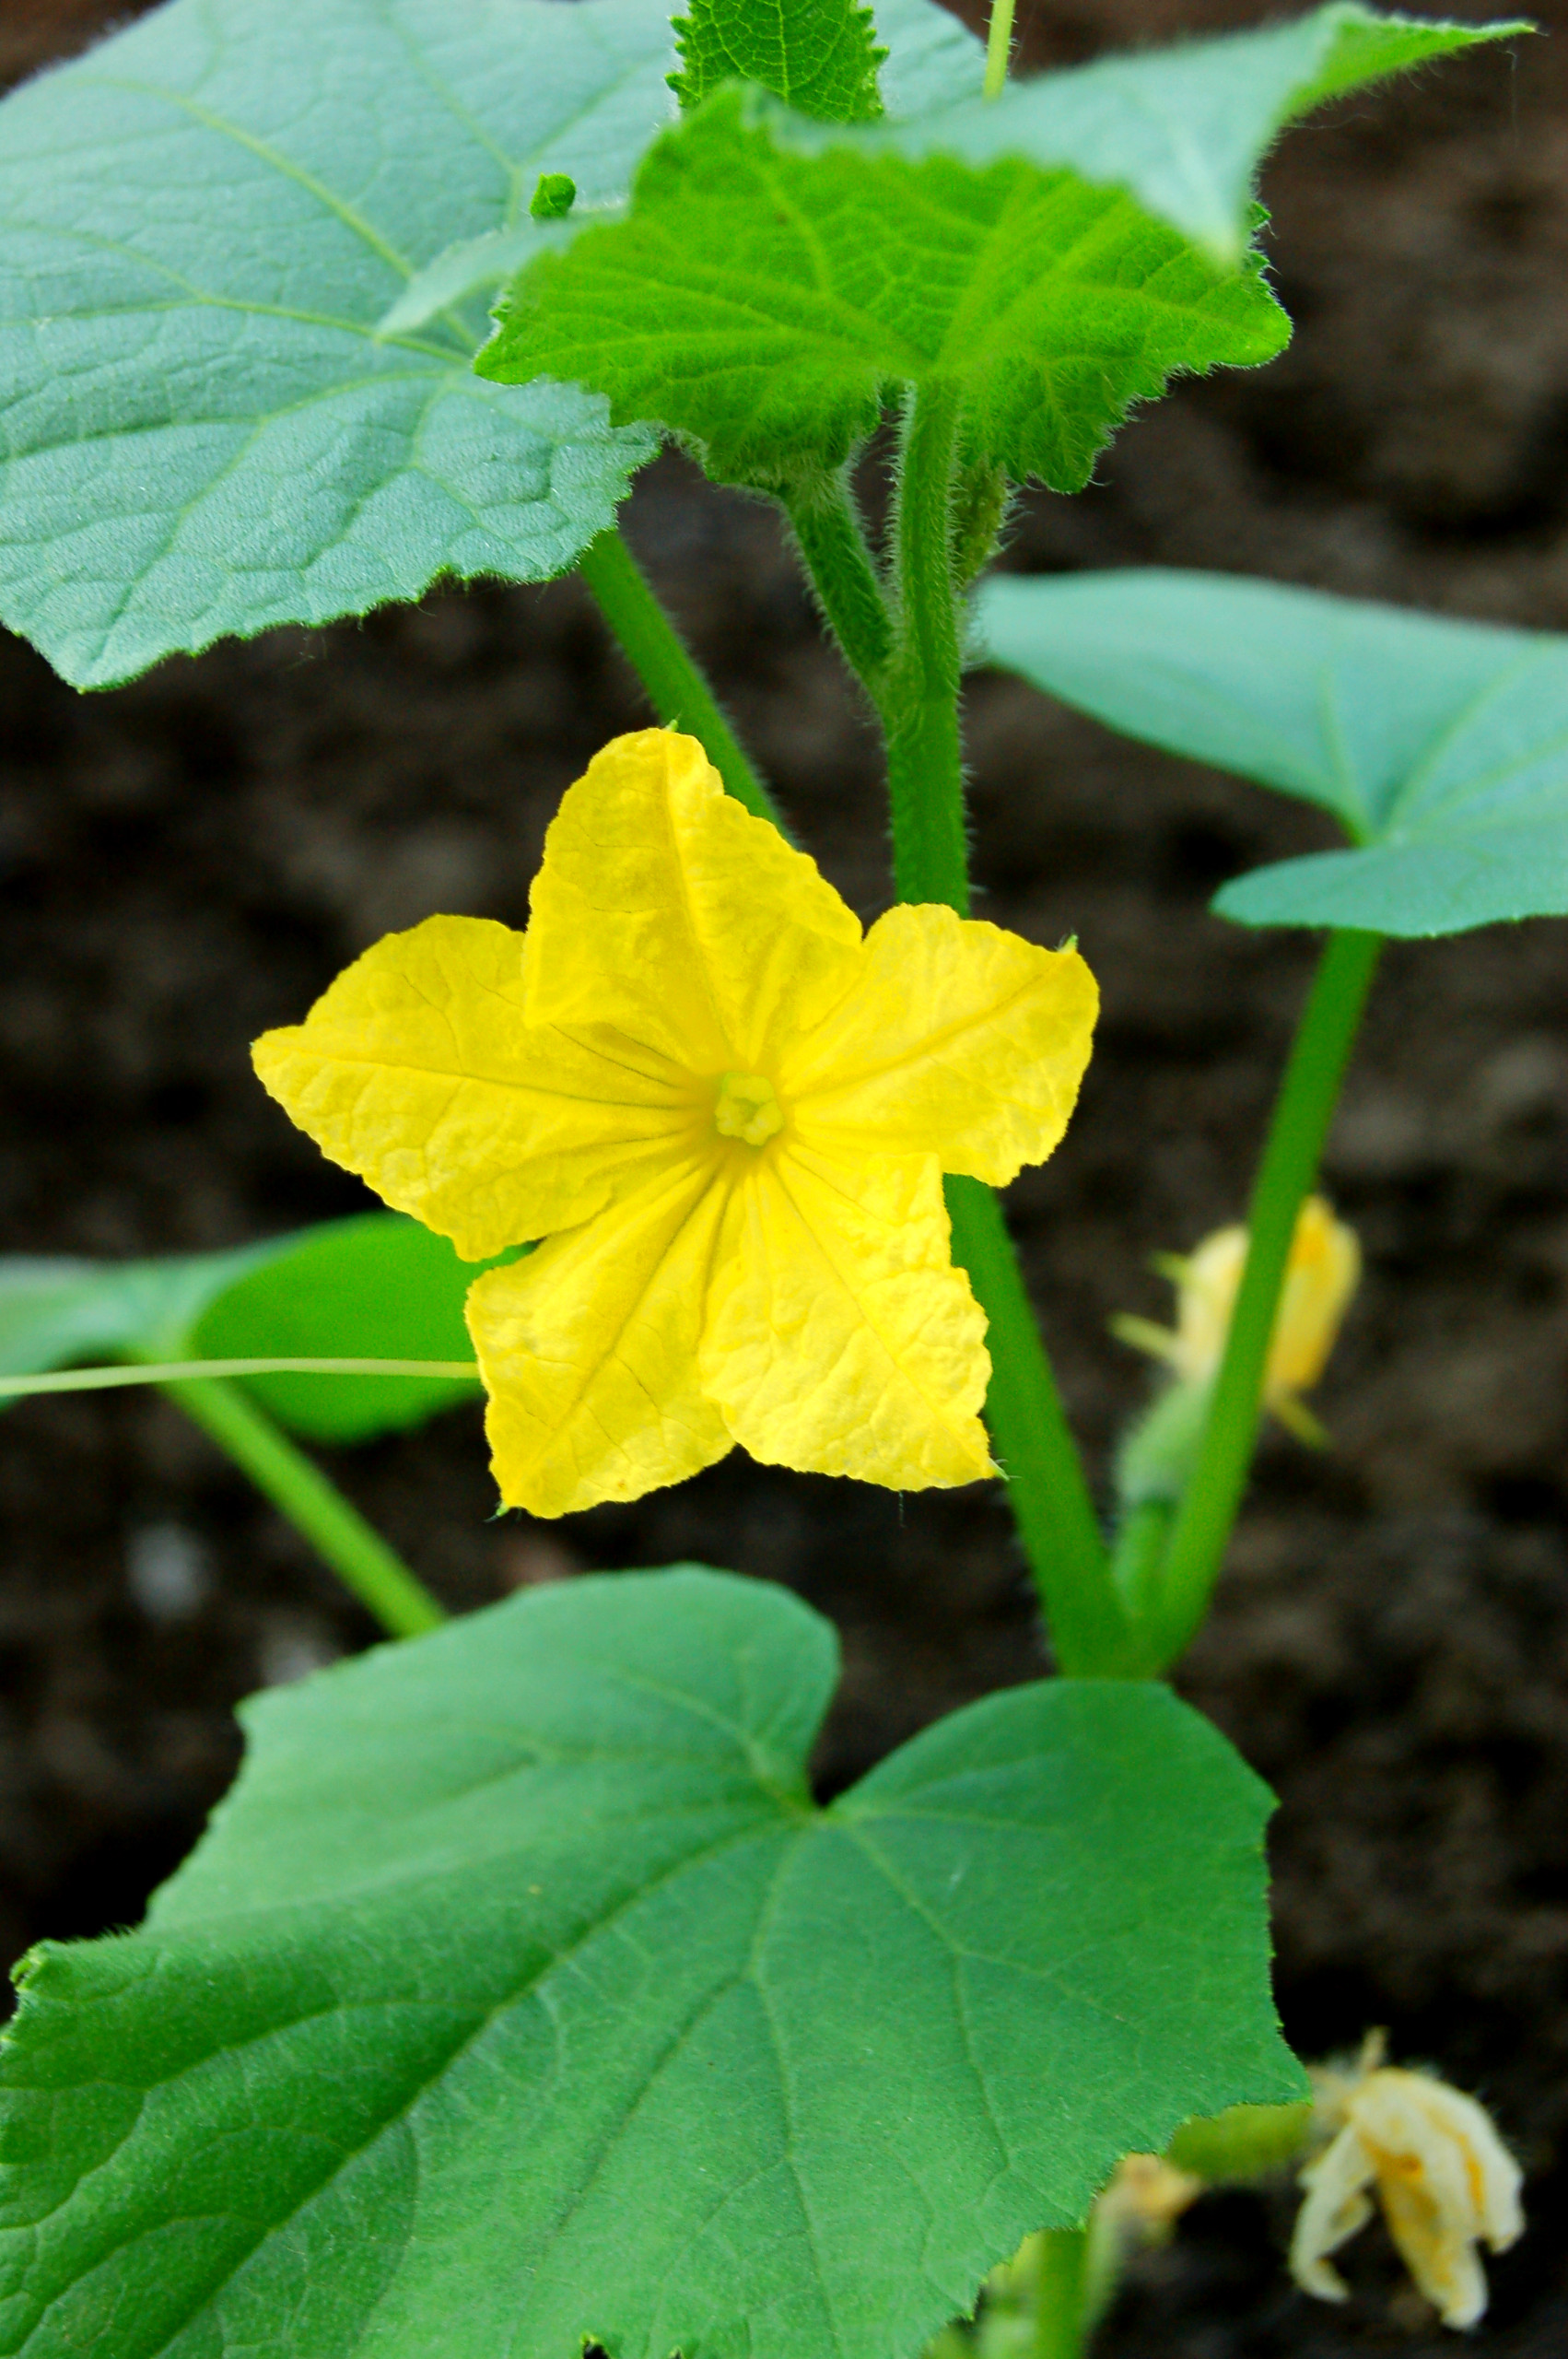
840,1338
959,1037
589,1351
1336,2206
665,909
417,1070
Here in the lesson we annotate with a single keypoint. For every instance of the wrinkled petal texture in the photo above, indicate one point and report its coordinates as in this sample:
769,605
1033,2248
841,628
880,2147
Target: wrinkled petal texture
840,1338
958,1039
664,909
417,1070
589,1352
1336,2206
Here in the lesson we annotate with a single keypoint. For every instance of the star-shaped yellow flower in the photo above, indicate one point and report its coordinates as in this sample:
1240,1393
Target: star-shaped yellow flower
726,1111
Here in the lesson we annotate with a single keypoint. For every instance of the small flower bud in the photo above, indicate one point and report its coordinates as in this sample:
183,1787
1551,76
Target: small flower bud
1443,2177
1321,1276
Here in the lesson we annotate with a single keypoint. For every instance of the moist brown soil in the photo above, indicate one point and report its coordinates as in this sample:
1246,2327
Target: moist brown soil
189,860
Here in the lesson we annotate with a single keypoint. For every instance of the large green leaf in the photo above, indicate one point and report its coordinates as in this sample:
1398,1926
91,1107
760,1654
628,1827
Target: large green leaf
200,224
373,1286
1441,747
519,1993
766,304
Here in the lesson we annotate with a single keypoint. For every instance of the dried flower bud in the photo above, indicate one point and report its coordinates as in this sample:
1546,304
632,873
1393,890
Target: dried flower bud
1443,2177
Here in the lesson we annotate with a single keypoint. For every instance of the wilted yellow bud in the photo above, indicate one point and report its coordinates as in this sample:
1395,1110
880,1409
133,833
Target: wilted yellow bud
1321,1276
1147,2197
1443,2177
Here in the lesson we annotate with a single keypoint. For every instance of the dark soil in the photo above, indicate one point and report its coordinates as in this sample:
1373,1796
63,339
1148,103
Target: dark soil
189,860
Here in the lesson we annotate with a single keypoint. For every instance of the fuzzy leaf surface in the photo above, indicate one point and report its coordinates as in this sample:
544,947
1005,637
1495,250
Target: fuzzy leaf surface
1440,746
820,56
201,223
765,303
519,1993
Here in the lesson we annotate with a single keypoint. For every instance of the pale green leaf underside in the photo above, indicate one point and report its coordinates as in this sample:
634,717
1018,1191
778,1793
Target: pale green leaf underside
820,56
1183,129
766,304
201,223
519,1994
373,1286
1440,746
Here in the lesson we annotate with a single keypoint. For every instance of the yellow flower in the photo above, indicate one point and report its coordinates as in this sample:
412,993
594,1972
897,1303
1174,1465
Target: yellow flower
726,1111
1321,1276
1441,2173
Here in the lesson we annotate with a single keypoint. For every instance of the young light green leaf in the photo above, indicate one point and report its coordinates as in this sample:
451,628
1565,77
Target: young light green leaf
520,1994
765,304
820,56
1440,746
374,1287
1183,129
201,223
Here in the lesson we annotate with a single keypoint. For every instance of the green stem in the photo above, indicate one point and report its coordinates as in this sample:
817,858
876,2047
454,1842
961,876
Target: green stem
925,767
105,1380
676,689
1045,1489
1301,1115
313,1506
1059,2290
998,45
844,573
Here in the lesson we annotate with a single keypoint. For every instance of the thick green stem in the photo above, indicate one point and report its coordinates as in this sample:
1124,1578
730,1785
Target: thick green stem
1301,1115
301,1493
925,769
1060,2295
676,689
1045,1489
999,46
845,575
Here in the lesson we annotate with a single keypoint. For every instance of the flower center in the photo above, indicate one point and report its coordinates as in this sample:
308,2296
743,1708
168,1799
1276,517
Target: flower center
747,1107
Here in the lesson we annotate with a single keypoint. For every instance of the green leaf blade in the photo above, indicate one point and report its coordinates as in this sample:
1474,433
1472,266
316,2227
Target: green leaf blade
820,56
764,304
202,224
628,2039
1440,746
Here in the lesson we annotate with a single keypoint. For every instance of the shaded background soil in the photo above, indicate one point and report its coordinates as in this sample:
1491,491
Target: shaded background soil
187,861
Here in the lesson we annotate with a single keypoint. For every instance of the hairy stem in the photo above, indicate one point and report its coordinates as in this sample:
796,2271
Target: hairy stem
844,573
1045,1489
676,686
917,698
1302,1114
1060,2289
301,1493
925,768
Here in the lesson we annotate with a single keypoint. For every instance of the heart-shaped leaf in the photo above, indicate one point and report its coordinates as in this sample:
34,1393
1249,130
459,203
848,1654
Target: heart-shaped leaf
1440,746
201,223
519,1993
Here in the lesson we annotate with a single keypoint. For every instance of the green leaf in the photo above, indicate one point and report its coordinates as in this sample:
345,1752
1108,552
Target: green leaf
1183,129
374,1287
1440,746
201,223
765,304
56,1311
820,56
519,1993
